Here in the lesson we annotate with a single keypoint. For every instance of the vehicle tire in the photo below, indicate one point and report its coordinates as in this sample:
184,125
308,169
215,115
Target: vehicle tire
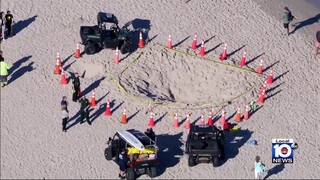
152,172
131,175
90,48
125,48
215,161
108,153
191,161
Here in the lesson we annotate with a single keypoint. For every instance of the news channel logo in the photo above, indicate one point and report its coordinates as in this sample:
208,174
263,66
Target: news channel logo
283,150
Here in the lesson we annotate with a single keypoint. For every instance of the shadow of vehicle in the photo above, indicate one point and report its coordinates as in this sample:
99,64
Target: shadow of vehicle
170,151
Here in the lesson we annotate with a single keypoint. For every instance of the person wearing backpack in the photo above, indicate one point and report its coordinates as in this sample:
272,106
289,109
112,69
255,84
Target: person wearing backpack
317,42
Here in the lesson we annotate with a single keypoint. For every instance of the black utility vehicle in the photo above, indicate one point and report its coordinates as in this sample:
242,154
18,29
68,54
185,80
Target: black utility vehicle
107,34
205,144
142,152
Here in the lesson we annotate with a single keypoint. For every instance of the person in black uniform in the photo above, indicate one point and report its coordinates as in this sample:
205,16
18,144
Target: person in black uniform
150,133
9,20
75,88
84,109
123,161
1,24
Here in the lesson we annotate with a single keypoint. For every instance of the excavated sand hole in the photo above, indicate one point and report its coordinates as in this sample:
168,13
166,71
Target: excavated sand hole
182,79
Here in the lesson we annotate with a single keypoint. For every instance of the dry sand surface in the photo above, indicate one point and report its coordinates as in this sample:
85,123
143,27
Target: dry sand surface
33,145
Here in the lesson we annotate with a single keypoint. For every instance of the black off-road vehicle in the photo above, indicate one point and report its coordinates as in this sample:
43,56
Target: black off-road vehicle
142,152
107,34
205,144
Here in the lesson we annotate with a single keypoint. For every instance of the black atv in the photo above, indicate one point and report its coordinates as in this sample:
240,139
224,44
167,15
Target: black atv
205,144
107,34
142,152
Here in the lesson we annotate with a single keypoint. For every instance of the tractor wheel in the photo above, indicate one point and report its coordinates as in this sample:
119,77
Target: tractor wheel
152,172
90,48
215,161
131,175
108,153
191,161
125,48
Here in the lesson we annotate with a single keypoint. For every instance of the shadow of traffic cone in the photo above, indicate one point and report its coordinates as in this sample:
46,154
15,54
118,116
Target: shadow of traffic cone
108,110
78,54
224,53
169,45
176,121
210,121
262,97
260,68
141,41
194,42
223,118
243,59
116,56
124,116
63,80
151,120
187,126
57,69
93,99
247,112
270,77
263,87
202,51
238,115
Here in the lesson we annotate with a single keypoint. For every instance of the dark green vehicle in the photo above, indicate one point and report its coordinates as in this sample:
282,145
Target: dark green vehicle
107,34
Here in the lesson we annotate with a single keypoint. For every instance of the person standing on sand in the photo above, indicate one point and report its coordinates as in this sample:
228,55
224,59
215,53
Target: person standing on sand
4,67
317,42
258,168
123,160
1,25
75,88
84,109
286,19
65,118
9,22
64,102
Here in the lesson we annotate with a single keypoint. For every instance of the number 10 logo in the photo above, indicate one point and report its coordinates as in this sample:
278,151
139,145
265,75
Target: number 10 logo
282,151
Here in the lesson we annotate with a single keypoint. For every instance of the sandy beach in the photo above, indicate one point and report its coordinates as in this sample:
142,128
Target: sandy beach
33,145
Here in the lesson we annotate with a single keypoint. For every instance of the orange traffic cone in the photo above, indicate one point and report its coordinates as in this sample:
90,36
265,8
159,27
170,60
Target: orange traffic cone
243,60
151,120
93,99
202,123
77,54
261,97
238,115
169,45
116,57
194,42
247,111
141,41
63,80
270,77
124,116
57,69
210,121
202,52
176,120
108,110
224,53
260,68
187,126
223,118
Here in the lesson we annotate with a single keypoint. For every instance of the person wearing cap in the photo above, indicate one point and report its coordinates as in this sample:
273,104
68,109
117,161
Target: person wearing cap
317,42
123,161
75,88
84,109
4,67
8,22
286,19
150,133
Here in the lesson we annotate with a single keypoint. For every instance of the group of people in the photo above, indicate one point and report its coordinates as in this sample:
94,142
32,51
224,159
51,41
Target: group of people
6,22
288,17
76,97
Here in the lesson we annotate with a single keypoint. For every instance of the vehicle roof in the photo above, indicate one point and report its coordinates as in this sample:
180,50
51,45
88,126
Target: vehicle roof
107,17
131,139
203,129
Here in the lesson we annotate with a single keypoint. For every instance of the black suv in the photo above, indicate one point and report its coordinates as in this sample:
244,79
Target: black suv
142,152
107,34
205,144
